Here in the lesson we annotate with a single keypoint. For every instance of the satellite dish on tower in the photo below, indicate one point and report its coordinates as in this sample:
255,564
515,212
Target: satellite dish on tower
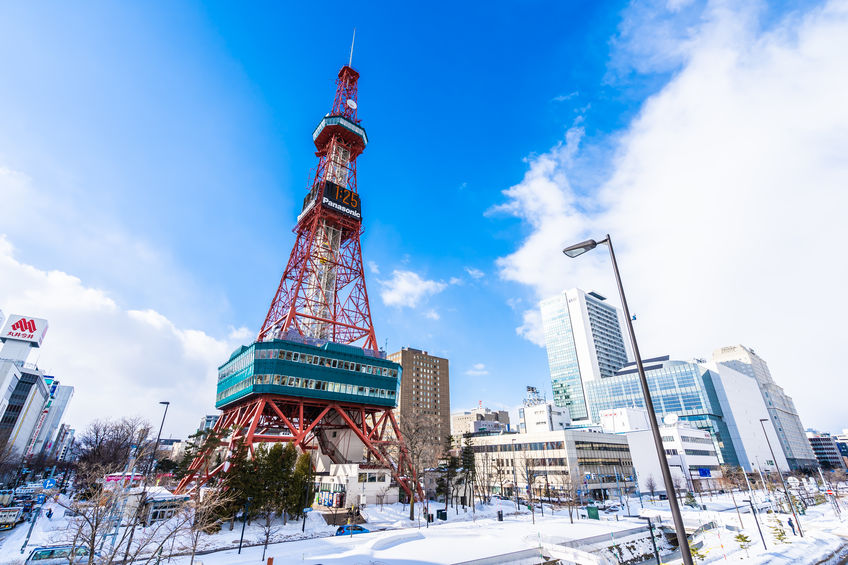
670,419
351,103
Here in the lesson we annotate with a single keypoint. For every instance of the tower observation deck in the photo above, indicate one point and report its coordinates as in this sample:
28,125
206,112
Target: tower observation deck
315,366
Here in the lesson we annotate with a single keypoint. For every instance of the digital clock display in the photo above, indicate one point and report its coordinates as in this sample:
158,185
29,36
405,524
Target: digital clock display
342,200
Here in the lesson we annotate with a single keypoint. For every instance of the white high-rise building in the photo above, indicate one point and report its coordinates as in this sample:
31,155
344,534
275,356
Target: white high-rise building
584,340
790,432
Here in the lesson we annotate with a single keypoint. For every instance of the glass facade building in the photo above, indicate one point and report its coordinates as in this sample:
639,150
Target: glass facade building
677,387
584,342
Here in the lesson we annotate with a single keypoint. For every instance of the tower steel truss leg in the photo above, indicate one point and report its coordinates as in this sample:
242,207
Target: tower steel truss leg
273,419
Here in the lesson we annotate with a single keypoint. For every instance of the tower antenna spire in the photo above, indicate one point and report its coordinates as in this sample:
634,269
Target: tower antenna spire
350,61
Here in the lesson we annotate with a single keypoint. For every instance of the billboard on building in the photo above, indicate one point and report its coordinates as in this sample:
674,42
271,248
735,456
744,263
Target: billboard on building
24,328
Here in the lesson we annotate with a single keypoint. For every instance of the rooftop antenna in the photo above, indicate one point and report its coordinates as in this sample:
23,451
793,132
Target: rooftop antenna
350,61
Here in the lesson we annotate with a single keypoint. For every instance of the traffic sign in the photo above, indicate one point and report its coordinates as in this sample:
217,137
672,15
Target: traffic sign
41,499
830,492
49,483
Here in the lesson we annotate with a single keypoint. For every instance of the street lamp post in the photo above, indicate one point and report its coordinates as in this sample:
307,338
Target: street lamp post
514,477
754,512
158,437
780,474
575,251
143,496
244,521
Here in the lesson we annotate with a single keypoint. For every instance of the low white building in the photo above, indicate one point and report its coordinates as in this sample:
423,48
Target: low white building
158,503
558,462
352,484
544,417
691,452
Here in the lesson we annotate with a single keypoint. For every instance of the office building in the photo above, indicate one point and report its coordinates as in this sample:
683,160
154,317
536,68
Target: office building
584,341
825,449
424,388
781,408
64,444
54,410
698,395
23,411
747,418
479,420
691,453
558,462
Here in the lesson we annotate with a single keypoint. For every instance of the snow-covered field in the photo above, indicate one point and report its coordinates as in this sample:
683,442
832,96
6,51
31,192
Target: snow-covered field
473,535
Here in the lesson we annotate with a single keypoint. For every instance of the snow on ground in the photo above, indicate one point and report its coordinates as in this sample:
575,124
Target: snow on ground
824,532
467,536
472,535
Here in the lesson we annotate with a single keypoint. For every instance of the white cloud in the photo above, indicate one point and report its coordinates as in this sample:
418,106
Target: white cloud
407,288
474,273
431,315
373,267
725,198
121,362
564,97
57,224
479,369
531,328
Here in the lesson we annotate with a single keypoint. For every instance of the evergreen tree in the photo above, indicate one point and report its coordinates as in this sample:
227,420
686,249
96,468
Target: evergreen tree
690,500
697,554
777,530
299,490
469,470
743,541
242,481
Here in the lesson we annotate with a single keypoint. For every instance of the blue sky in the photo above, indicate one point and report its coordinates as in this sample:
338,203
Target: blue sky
158,153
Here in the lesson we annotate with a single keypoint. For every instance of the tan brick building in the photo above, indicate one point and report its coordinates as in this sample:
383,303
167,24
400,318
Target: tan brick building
424,387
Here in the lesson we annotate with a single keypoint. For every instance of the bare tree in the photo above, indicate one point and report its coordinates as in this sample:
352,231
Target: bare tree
381,496
109,443
679,486
731,477
502,474
97,518
94,512
204,515
651,484
485,472
527,474
567,487
423,445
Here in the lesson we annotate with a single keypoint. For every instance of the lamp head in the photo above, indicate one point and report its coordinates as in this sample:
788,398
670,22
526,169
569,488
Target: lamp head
165,402
580,248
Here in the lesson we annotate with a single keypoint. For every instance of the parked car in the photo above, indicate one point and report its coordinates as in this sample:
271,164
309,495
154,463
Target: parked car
57,555
613,508
350,530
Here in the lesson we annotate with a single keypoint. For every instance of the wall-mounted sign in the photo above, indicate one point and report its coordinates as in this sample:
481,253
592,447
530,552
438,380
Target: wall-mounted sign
24,328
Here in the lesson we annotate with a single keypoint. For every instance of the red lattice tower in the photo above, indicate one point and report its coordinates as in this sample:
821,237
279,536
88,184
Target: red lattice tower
322,292
321,300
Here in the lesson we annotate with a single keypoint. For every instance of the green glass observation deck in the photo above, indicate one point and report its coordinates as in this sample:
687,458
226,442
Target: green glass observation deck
318,370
